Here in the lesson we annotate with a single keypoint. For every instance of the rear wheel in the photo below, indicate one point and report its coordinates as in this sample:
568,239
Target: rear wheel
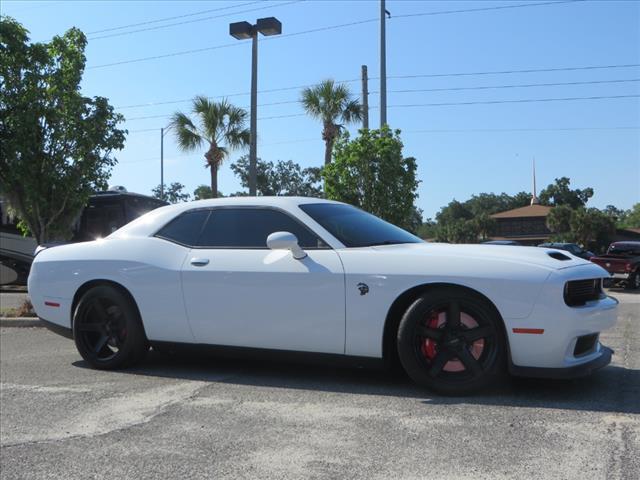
451,341
107,329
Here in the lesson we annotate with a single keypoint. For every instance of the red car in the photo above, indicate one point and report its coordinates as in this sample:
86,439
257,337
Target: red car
622,261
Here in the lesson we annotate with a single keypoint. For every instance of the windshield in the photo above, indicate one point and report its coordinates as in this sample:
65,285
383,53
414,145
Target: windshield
356,228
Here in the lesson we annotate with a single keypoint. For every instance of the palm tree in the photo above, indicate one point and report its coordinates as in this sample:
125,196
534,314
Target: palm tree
219,126
331,102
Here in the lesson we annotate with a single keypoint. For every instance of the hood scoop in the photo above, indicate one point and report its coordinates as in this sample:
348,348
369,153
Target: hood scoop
559,256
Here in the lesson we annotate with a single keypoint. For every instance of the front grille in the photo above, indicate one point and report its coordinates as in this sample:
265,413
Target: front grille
579,292
585,344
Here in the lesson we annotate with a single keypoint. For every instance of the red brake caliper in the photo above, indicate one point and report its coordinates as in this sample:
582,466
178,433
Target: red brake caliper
429,349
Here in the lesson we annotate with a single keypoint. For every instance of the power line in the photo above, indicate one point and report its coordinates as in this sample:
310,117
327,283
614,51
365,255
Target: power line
226,45
175,17
148,117
484,9
505,72
476,130
447,104
124,27
461,130
525,100
296,87
520,85
158,27
144,130
271,90
315,30
486,130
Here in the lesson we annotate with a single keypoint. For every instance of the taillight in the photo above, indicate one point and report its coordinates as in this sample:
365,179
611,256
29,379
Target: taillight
628,267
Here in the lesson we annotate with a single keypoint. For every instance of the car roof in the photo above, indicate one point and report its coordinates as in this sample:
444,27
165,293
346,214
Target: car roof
152,221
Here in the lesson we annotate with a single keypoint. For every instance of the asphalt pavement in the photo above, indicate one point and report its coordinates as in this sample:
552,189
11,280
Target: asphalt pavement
204,417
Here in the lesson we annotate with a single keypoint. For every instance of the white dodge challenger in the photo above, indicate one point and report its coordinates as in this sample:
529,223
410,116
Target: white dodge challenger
327,280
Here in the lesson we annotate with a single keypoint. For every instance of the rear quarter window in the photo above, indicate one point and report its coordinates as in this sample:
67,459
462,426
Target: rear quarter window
184,229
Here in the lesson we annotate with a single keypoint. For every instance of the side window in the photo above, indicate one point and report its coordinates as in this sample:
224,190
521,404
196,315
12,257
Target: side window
250,227
186,228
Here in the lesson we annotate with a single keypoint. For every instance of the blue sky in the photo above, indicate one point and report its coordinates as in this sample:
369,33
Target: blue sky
460,149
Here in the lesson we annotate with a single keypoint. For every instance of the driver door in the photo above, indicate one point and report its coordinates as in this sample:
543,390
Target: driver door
240,293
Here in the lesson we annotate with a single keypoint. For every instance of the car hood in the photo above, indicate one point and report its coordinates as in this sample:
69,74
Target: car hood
541,257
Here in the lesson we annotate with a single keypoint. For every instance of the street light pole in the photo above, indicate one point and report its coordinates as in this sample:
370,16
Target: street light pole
241,31
365,98
253,147
162,163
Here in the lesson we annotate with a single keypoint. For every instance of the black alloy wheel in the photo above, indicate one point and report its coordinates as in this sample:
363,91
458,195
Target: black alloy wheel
451,341
107,329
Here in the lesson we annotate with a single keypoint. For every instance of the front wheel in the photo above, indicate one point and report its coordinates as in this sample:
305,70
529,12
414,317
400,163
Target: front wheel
451,341
107,329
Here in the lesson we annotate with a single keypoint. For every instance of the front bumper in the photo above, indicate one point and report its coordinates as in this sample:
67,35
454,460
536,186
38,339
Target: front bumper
552,336
576,371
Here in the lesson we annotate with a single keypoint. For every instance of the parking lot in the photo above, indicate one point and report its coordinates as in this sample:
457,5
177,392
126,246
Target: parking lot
203,417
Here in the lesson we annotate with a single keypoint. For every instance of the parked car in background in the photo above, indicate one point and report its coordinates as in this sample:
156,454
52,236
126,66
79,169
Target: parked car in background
104,214
622,261
502,242
325,279
572,248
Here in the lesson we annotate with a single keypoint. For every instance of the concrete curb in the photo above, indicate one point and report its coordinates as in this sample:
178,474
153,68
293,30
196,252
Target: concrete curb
21,322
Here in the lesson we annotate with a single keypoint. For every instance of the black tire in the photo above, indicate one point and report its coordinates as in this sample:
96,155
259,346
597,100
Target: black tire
633,282
480,350
107,329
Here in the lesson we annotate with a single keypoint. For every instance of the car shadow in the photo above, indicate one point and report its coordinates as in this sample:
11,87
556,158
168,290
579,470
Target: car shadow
613,389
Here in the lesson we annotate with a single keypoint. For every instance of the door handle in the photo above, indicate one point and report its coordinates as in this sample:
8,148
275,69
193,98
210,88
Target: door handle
199,262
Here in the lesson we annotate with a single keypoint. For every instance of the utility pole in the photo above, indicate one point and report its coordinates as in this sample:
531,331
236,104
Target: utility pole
365,98
162,163
383,64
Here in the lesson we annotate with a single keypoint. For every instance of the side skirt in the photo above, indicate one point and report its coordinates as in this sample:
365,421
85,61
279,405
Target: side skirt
292,356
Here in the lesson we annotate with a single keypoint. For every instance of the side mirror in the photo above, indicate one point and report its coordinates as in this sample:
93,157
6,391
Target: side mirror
286,241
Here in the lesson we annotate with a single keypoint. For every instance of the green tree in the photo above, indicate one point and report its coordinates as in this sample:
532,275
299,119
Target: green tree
631,217
331,103
459,231
371,173
560,193
559,222
470,221
174,193
588,227
591,228
428,229
282,178
618,215
218,126
203,192
56,145
484,225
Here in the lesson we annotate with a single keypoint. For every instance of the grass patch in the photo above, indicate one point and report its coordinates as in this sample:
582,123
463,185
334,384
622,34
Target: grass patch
24,310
